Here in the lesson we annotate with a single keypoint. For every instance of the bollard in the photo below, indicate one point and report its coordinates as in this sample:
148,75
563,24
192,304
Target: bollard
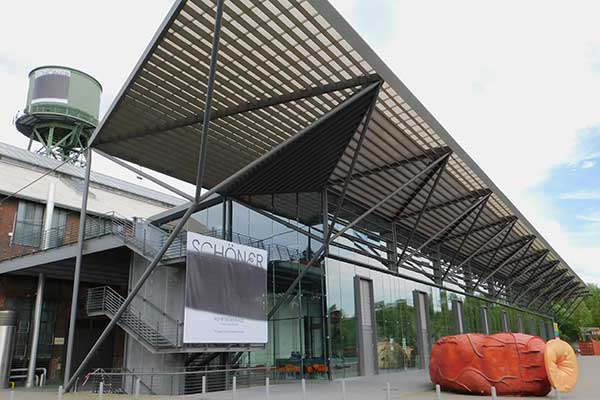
303,389
494,396
438,392
343,389
234,391
267,389
101,391
558,394
137,387
203,386
60,392
12,395
388,391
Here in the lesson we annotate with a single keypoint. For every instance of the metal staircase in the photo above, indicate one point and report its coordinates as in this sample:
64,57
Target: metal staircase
165,336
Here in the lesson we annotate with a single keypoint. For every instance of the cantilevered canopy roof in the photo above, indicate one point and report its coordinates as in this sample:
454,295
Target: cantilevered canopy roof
284,65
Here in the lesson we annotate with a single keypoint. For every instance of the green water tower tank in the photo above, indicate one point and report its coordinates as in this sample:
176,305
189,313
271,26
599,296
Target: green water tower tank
61,111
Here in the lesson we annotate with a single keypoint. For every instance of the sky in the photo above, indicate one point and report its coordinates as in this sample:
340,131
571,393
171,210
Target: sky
517,84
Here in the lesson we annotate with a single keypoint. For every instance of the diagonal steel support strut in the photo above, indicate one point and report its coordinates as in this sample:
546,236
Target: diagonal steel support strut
286,296
197,200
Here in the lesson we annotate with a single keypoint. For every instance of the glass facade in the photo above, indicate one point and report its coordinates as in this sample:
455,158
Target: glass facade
315,334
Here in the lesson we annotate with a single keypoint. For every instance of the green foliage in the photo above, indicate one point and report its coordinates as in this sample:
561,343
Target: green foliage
587,314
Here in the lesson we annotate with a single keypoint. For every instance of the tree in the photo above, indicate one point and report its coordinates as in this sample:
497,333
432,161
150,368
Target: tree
587,314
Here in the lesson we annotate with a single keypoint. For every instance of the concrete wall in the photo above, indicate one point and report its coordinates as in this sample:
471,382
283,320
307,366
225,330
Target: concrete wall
165,290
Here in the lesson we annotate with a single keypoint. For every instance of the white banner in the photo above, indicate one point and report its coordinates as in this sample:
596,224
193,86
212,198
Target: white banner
225,292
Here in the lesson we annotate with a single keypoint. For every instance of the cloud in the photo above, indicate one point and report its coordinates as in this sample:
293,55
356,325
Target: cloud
517,84
588,164
104,45
583,194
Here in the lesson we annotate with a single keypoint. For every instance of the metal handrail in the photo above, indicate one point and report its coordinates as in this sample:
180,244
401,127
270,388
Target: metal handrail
173,383
158,334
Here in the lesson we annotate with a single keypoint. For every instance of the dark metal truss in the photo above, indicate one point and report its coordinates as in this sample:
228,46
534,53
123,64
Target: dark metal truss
472,196
548,286
427,157
499,222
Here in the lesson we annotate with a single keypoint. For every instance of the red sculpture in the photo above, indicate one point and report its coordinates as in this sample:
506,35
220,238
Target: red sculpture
473,363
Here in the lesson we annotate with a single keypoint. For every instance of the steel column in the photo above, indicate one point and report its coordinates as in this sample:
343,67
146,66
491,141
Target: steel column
394,264
229,220
77,273
197,199
35,337
212,72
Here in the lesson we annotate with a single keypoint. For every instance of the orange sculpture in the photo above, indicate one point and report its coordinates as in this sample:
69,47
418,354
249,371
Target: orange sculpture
561,365
512,362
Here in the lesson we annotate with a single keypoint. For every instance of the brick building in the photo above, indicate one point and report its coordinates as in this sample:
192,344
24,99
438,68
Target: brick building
22,238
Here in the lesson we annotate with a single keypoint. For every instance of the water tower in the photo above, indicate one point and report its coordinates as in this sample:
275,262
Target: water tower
61,111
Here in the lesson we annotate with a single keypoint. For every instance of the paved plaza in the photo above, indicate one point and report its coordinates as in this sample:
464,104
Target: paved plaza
413,385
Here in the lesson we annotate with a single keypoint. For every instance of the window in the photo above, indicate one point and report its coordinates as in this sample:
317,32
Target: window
28,227
58,229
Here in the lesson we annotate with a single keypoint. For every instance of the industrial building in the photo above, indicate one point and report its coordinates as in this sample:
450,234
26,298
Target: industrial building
382,234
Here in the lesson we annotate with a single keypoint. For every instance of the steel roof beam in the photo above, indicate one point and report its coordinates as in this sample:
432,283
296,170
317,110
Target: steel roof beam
550,285
473,195
418,190
363,132
466,237
538,261
251,106
473,254
569,311
440,171
502,246
503,263
541,280
501,221
449,226
525,257
572,294
566,302
429,155
565,286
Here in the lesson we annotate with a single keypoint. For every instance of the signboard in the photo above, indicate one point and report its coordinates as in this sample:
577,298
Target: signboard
225,292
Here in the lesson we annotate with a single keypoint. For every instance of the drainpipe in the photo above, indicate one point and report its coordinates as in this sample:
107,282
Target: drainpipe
48,215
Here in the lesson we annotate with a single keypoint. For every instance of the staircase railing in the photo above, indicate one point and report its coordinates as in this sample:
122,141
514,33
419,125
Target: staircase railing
164,334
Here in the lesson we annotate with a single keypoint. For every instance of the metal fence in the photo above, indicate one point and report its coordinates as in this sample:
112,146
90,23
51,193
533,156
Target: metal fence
177,382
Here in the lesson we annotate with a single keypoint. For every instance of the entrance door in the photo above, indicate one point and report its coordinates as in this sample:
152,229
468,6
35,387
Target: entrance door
365,318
